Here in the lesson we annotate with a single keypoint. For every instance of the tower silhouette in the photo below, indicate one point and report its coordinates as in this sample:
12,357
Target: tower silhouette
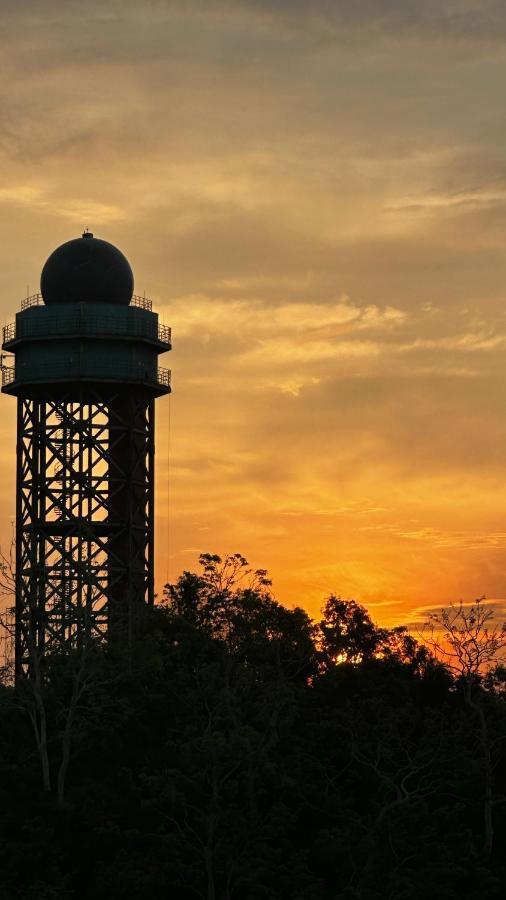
86,376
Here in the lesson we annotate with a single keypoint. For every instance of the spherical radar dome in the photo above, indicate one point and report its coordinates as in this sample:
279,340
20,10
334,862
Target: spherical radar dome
87,269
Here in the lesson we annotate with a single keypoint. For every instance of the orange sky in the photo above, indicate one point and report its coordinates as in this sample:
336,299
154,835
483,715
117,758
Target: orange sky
314,195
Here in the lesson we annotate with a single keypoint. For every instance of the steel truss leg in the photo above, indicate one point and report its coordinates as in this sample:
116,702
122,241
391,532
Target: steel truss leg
84,517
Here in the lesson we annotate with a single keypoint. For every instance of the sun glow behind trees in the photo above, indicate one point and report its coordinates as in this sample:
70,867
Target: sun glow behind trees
229,747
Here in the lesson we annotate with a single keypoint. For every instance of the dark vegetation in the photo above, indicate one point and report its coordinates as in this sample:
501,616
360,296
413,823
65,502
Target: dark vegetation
235,750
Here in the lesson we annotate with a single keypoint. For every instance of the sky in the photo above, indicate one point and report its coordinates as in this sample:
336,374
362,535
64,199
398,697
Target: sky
313,194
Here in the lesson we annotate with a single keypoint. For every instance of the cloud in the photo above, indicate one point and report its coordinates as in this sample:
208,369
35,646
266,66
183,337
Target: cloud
73,210
201,316
472,23
313,194
460,540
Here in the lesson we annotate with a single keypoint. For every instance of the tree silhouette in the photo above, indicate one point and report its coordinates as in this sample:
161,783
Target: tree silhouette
235,749
466,639
347,633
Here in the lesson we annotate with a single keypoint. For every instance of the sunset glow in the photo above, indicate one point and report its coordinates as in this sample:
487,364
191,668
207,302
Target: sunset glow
315,201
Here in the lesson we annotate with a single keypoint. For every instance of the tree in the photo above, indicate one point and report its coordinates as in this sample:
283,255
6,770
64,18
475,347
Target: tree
347,632
230,602
75,672
7,627
466,639
223,754
209,600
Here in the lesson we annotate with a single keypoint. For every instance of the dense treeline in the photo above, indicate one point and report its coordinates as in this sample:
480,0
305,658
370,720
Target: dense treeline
232,749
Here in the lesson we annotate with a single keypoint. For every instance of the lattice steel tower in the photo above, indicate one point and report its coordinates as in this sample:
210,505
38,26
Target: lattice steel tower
86,377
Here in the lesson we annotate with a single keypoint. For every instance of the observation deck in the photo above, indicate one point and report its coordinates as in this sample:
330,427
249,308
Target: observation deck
86,342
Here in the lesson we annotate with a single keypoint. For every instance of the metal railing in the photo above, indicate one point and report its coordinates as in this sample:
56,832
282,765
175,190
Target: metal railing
165,334
9,332
36,300
48,373
88,325
141,302
164,376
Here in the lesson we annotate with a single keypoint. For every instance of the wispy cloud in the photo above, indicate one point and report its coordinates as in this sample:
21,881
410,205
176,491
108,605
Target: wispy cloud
313,194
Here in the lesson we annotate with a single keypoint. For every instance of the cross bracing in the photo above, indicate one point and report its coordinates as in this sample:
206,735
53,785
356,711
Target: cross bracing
84,515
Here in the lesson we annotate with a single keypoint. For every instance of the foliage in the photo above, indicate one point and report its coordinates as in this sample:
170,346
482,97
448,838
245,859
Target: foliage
237,750
466,638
